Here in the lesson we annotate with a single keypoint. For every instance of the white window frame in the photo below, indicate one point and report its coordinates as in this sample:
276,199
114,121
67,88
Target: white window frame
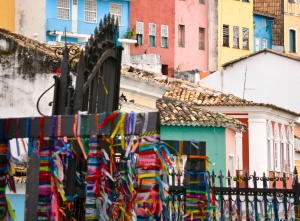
164,34
231,166
239,150
276,148
283,149
88,12
116,14
63,7
152,32
140,30
270,142
290,160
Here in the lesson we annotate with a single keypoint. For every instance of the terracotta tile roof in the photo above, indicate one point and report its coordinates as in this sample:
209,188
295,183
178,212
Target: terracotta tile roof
195,94
182,114
23,41
261,51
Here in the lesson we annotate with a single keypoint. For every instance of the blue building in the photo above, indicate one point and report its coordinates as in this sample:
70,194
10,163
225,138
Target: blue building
262,26
80,18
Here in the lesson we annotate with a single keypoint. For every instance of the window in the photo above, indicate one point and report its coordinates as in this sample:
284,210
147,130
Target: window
276,148
116,10
201,38
202,2
270,146
257,44
63,9
236,37
245,38
264,43
231,164
283,151
226,35
264,22
289,151
181,36
152,34
164,36
90,11
140,32
292,40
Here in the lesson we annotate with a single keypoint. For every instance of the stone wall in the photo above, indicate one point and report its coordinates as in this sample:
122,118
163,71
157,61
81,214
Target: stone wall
24,76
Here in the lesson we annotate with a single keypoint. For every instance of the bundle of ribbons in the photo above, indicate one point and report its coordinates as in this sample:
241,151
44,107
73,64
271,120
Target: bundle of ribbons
196,188
6,177
153,164
45,189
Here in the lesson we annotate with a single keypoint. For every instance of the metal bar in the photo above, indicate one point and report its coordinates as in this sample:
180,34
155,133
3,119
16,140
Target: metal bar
255,178
105,55
67,122
238,200
265,199
62,98
78,95
31,197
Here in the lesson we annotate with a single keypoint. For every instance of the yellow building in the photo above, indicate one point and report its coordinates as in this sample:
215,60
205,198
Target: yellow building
235,25
7,14
291,27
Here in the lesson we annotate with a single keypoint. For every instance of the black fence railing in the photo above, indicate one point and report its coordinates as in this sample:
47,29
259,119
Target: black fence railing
253,203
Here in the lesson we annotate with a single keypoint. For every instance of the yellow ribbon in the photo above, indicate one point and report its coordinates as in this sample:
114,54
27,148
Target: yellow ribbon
120,127
10,210
105,89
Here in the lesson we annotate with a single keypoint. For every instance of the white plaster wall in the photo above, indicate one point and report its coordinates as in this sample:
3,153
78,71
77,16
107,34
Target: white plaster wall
19,93
31,18
270,79
149,62
257,131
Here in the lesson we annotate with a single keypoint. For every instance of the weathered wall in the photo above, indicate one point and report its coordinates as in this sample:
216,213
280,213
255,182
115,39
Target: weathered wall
24,76
150,62
30,18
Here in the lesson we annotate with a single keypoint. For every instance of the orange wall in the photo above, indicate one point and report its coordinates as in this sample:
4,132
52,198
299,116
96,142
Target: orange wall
7,14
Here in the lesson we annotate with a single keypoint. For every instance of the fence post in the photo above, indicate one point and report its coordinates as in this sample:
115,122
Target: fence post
246,179
221,195
238,200
265,199
213,184
255,178
296,194
229,197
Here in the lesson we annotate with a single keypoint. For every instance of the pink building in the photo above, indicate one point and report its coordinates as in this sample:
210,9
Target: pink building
177,30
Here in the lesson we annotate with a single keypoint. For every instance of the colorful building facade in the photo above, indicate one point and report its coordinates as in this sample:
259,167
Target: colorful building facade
176,30
80,18
7,14
235,30
49,21
262,25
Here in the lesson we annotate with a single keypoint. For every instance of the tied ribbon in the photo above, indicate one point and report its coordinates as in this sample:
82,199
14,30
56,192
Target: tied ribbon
105,89
10,210
120,128
77,137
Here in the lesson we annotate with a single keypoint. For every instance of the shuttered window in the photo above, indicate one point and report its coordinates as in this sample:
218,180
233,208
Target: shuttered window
226,35
140,32
292,38
201,38
164,36
246,38
236,38
152,34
